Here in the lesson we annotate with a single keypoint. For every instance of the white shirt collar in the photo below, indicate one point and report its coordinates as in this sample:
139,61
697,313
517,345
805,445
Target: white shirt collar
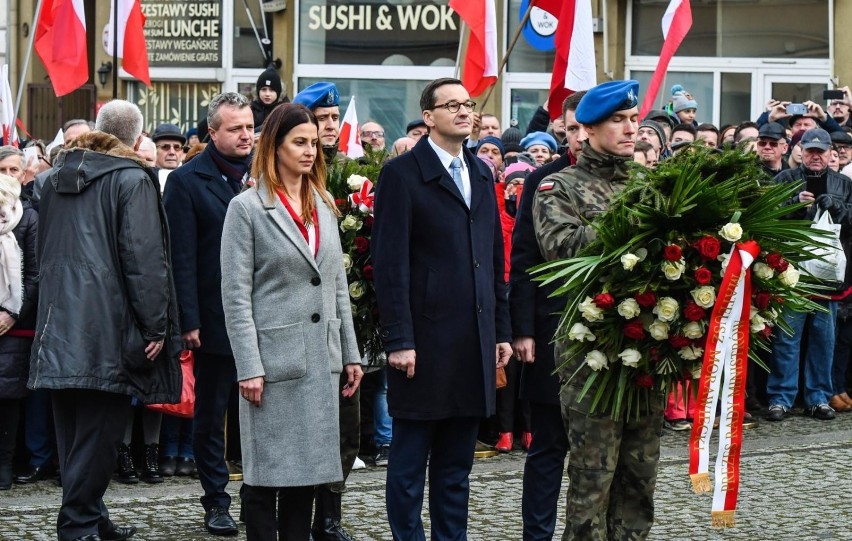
445,157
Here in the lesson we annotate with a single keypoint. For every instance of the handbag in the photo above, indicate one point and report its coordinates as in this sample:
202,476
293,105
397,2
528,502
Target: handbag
501,378
186,406
829,262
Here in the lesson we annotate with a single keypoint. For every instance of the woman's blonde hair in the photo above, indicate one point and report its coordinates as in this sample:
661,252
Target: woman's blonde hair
277,125
10,189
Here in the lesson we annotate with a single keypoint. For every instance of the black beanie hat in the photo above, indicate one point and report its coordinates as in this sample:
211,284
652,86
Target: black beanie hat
511,139
271,79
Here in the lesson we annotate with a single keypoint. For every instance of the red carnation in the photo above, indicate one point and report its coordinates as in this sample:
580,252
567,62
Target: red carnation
777,262
708,247
634,330
362,244
368,272
693,312
604,301
679,341
646,299
766,332
703,276
644,380
672,252
761,300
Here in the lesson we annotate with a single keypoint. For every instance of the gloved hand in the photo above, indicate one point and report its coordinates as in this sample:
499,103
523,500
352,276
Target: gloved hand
826,202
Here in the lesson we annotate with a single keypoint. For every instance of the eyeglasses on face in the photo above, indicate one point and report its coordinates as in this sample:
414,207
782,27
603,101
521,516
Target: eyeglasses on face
174,146
772,144
453,106
372,134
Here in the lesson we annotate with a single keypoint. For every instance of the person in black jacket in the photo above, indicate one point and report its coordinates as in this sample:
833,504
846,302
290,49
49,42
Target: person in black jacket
17,313
107,318
269,90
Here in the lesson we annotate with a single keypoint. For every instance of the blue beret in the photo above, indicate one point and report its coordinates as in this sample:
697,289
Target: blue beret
539,138
321,94
602,101
493,141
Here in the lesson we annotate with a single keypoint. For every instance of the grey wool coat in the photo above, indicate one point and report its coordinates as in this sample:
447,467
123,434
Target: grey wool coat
289,320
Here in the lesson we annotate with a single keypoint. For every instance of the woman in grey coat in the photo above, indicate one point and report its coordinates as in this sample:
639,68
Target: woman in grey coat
288,317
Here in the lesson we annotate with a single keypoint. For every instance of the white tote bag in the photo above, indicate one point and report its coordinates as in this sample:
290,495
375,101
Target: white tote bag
829,264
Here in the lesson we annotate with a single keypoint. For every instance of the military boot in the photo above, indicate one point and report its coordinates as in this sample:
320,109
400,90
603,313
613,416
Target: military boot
326,526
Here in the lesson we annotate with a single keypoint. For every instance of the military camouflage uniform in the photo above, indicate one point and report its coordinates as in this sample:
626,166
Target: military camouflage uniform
612,466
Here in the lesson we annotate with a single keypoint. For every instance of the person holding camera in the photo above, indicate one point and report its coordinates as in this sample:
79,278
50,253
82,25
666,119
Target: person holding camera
800,116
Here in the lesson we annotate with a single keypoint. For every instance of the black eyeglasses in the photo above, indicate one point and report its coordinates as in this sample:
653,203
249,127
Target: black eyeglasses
372,134
772,144
174,146
453,106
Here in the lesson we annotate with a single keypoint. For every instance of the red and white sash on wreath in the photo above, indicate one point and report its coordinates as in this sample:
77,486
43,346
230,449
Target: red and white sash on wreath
724,369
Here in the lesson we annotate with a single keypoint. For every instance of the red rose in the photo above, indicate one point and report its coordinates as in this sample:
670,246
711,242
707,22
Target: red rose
368,221
362,244
604,301
703,276
634,330
777,262
708,247
693,312
672,252
339,202
678,341
644,380
646,299
761,300
368,272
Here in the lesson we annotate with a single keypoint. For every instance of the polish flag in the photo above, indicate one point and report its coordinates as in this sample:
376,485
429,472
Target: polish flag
60,42
7,109
350,133
131,39
480,62
574,67
677,21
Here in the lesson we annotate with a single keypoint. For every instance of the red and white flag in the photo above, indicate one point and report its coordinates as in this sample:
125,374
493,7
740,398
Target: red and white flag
480,62
131,39
7,109
677,21
574,67
60,42
350,133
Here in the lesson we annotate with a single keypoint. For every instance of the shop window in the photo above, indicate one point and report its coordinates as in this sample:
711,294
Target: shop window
252,36
525,57
700,85
181,104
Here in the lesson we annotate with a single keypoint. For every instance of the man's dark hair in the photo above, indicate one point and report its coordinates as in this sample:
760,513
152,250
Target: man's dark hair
427,98
743,126
707,127
572,101
78,122
689,128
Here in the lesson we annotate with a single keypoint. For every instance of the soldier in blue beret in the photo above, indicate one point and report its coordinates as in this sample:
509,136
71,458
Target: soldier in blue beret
323,100
613,463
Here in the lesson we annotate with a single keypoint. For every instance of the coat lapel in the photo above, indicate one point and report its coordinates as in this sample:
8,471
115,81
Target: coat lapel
215,183
479,180
276,211
327,225
433,170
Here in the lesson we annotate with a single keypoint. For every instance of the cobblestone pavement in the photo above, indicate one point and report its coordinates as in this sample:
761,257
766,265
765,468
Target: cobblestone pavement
795,479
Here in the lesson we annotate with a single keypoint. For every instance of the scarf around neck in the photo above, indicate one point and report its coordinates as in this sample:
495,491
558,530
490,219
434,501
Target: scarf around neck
235,169
11,285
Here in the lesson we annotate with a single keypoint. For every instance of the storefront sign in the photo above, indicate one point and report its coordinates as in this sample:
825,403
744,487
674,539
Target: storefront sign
183,33
540,29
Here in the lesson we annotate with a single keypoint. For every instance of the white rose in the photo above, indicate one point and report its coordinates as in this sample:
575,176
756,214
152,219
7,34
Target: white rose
673,269
758,322
731,232
667,309
763,271
580,332
350,223
590,310
628,261
629,308
704,296
659,330
789,277
356,290
596,360
630,357
355,181
693,330
347,262
690,353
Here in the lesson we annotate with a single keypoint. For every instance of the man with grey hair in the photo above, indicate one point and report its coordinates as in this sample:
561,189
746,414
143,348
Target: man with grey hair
100,205
196,198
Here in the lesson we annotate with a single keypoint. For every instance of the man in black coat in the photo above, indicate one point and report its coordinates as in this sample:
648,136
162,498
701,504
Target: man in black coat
106,314
438,260
196,200
535,317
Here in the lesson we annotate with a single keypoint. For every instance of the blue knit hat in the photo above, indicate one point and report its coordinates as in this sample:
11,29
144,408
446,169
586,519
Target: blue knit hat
539,138
603,100
493,141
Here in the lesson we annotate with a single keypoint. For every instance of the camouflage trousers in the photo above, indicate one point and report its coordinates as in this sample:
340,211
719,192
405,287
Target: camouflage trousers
612,470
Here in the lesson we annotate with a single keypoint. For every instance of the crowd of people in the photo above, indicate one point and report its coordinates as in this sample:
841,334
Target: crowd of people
120,250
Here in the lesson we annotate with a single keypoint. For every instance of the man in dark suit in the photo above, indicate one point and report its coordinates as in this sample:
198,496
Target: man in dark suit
438,260
196,200
535,316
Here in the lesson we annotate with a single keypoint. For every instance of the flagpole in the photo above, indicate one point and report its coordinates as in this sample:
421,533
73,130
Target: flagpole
505,61
29,55
457,71
115,50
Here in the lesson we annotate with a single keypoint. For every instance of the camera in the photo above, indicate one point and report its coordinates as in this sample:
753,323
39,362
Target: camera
832,95
797,109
